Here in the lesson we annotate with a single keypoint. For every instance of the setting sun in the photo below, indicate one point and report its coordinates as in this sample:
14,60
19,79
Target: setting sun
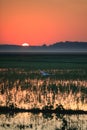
25,44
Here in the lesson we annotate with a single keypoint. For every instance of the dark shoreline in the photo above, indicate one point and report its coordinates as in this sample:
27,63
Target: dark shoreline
6,110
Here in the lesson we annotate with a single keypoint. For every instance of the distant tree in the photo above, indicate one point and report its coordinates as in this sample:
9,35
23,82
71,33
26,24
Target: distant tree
44,45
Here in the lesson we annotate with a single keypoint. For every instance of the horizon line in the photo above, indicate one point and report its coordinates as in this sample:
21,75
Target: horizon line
44,44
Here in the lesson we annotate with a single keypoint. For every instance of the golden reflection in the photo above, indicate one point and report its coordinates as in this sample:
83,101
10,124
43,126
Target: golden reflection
29,121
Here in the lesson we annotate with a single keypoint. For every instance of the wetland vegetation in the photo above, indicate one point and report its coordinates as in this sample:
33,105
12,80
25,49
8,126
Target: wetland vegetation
24,88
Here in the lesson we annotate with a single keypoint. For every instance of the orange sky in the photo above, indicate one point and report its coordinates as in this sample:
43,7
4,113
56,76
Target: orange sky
42,21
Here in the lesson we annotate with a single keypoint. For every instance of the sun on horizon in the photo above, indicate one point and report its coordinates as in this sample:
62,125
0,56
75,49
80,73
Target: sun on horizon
25,44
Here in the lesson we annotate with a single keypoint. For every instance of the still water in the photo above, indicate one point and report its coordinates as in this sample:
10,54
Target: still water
29,121
29,89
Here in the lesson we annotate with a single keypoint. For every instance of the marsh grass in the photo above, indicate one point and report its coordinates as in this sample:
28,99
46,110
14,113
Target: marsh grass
22,84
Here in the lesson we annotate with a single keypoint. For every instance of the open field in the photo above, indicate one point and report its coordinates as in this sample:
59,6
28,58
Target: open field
44,61
72,65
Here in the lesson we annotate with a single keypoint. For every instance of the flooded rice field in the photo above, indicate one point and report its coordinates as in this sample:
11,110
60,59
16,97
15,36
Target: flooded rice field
43,85
19,88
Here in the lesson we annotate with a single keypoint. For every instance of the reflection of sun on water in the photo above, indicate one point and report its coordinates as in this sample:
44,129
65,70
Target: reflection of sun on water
29,121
